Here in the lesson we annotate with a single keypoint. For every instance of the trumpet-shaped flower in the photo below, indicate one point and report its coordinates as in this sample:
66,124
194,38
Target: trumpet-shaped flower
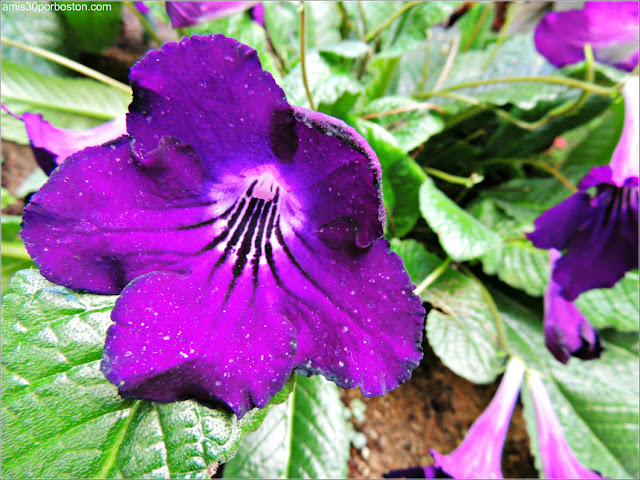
188,14
558,461
567,332
611,28
479,455
242,233
600,233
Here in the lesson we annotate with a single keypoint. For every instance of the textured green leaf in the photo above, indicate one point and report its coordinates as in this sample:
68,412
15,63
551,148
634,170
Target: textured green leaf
462,236
410,129
75,103
62,419
417,260
7,198
346,48
93,31
615,307
42,29
461,329
516,261
305,437
14,255
596,402
401,178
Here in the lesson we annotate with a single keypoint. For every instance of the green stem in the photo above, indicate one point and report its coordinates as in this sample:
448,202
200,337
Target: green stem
483,17
75,66
569,82
145,22
537,163
14,250
182,32
500,40
302,56
432,277
466,181
455,45
495,313
363,19
370,36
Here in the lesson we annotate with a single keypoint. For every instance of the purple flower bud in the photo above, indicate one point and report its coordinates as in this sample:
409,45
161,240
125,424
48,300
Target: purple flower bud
188,14
567,332
598,234
611,28
557,458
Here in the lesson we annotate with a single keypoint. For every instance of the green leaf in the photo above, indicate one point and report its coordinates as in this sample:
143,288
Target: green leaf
515,261
596,402
461,329
92,31
305,437
346,48
410,129
401,178
37,28
62,419
462,236
417,260
615,307
7,198
14,255
75,103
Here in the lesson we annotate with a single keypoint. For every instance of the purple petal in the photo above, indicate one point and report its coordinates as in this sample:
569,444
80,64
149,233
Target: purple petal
230,102
567,331
558,460
257,13
556,227
624,162
479,454
249,232
189,340
105,218
611,28
188,14
51,145
142,8
605,247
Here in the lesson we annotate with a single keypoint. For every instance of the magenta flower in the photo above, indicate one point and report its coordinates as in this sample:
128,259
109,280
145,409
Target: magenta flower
611,28
598,234
567,332
479,455
188,14
51,145
242,233
557,458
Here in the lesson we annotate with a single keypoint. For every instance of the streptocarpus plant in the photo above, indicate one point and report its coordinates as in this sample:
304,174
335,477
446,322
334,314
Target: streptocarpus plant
242,233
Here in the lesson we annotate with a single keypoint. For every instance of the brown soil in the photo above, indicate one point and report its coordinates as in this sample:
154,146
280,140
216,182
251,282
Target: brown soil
432,410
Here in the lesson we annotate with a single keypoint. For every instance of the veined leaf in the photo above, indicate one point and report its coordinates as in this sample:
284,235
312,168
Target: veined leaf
305,437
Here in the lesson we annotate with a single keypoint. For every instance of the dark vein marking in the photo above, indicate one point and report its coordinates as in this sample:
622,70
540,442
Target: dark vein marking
216,241
258,242
245,247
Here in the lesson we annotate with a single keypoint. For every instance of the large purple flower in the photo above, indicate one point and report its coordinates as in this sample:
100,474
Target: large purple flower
611,28
567,332
479,454
557,458
188,14
599,234
243,233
